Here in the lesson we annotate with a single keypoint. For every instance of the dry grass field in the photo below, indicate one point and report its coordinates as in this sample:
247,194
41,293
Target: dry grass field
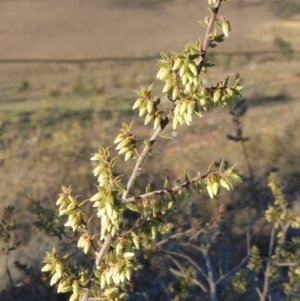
55,114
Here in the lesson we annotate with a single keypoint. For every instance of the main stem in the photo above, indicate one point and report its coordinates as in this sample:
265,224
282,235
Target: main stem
142,157
210,274
207,41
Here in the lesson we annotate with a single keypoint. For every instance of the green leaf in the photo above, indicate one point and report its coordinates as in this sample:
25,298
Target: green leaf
175,122
148,188
132,207
154,153
136,241
224,184
239,88
54,279
228,180
236,177
148,118
109,292
210,190
59,269
218,24
199,188
139,93
211,10
217,95
226,28
48,267
190,108
203,24
128,255
193,68
215,187
166,185
150,88
137,104
178,63
164,56
255,262
222,166
240,281
211,165
157,122
173,197
150,106
189,197
128,155
186,177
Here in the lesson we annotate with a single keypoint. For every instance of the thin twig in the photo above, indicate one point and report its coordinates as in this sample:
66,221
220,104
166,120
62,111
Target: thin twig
7,267
242,262
259,293
174,189
285,264
135,228
268,268
185,276
165,289
233,270
193,280
174,236
207,41
190,260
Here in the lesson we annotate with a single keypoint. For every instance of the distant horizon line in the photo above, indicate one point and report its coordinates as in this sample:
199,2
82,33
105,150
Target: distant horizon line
127,58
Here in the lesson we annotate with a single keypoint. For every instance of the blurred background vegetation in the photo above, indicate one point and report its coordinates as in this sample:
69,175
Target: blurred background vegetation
56,113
